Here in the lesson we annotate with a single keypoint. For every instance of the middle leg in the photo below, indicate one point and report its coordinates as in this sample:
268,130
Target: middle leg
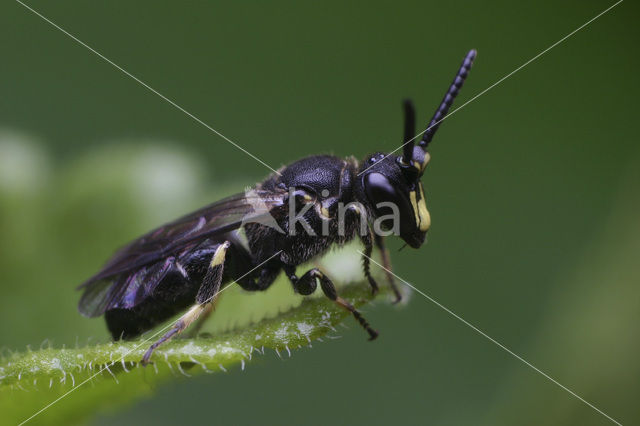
307,284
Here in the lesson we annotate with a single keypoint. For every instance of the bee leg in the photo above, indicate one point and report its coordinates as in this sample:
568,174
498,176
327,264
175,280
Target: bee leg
205,299
307,283
366,264
386,262
358,216
192,314
204,316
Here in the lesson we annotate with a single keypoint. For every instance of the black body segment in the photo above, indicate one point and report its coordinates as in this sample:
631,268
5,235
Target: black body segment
171,294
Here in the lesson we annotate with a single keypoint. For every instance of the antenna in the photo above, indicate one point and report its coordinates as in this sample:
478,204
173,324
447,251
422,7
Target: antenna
447,101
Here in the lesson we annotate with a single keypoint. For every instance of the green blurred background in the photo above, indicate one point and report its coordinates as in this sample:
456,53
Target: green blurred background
534,191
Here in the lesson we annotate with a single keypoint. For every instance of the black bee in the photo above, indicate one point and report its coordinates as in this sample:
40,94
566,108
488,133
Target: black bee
292,217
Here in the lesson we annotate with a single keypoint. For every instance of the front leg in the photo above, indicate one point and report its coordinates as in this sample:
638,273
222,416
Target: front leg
205,299
366,260
386,262
307,284
358,217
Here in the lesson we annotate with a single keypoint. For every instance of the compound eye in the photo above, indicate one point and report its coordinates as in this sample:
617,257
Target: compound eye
380,190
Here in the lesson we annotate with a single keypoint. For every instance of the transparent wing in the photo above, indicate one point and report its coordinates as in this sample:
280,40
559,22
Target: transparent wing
146,260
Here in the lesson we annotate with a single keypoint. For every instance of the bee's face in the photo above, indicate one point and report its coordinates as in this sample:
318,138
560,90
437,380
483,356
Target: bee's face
395,193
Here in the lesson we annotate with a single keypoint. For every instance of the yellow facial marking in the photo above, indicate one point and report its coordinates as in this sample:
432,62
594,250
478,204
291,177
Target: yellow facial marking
425,217
218,256
414,204
425,161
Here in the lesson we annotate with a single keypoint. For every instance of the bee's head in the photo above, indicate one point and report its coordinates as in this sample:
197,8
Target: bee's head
390,180
394,192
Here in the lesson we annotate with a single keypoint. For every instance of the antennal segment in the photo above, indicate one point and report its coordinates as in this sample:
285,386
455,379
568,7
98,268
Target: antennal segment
447,101
409,131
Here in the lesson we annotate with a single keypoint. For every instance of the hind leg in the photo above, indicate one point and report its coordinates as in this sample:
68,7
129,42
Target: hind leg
204,316
205,299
